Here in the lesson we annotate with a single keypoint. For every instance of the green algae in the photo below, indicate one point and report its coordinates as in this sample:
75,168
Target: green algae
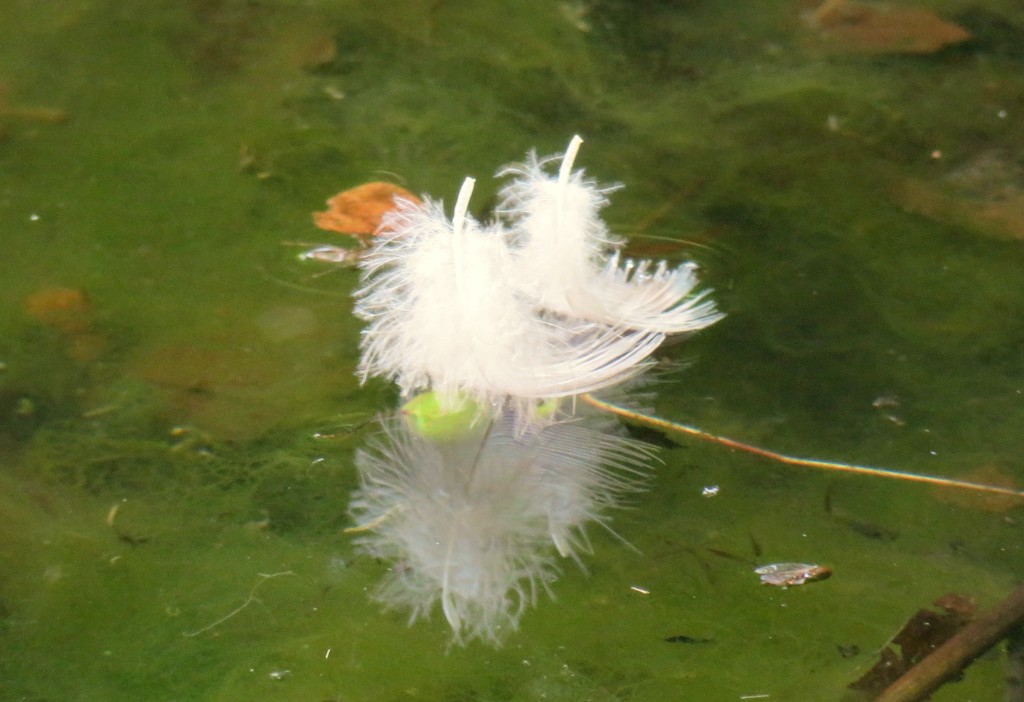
146,495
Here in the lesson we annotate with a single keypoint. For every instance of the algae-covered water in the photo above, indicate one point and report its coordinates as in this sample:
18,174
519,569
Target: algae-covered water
178,412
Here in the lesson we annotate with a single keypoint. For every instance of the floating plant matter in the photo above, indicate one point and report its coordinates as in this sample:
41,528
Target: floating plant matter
791,574
869,28
358,211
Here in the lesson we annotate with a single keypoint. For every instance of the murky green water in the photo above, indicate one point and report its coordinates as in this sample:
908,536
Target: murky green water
860,218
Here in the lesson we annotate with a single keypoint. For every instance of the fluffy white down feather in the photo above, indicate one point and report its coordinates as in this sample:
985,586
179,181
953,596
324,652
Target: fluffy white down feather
444,315
476,524
559,239
563,255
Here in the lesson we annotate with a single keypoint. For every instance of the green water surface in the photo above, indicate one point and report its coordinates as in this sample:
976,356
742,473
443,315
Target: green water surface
170,522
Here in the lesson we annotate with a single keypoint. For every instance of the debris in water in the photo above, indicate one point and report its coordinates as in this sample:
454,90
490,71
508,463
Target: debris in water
857,27
358,211
923,633
68,311
683,638
986,502
792,574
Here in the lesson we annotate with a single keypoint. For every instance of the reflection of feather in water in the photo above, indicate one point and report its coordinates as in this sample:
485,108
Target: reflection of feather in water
476,522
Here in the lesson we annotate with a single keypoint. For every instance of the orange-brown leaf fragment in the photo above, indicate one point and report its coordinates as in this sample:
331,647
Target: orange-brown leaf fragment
68,311
985,194
984,501
65,309
358,211
859,27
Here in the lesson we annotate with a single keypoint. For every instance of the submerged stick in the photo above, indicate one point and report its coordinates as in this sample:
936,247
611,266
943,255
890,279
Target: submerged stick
667,426
1015,665
949,659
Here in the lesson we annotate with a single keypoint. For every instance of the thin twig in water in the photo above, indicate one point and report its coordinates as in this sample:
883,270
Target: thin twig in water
1015,665
264,577
670,427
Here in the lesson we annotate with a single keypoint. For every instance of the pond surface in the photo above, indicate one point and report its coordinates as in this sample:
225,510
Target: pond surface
179,414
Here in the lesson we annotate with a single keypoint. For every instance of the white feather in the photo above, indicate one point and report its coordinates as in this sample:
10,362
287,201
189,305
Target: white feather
560,240
443,315
647,295
564,256
475,524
